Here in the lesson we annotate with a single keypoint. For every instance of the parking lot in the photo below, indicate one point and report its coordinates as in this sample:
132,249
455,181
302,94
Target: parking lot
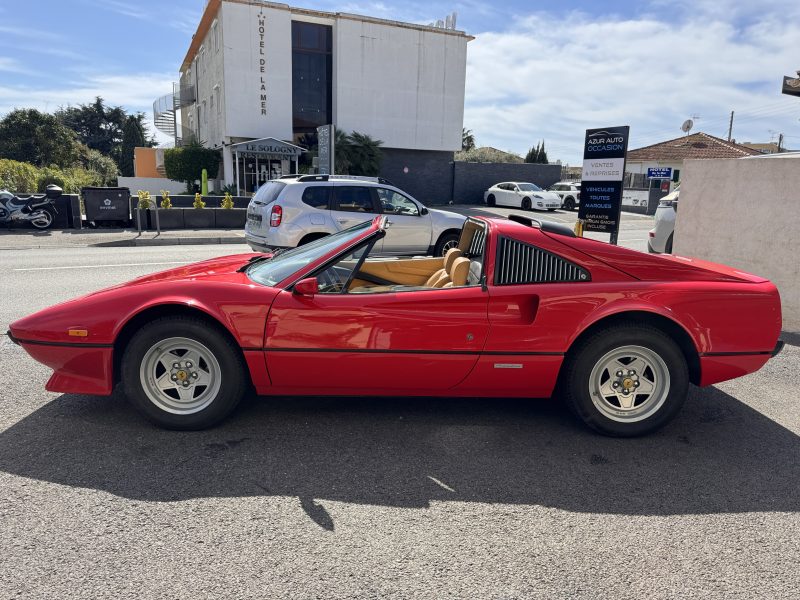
382,498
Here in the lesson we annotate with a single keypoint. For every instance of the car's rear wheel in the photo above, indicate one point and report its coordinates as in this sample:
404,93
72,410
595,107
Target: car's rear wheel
183,373
526,204
668,245
569,203
625,380
490,200
446,241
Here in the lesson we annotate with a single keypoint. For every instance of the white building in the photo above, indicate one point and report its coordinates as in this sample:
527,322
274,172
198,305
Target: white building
270,74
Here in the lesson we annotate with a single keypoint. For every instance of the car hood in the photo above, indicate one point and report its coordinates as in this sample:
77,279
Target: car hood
445,217
551,196
207,285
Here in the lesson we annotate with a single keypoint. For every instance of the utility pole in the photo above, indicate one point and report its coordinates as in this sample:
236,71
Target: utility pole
730,127
780,142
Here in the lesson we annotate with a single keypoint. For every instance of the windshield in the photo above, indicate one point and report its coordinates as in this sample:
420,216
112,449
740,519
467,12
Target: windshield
529,187
278,268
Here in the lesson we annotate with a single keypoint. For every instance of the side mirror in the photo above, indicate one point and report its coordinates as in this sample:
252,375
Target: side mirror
423,211
306,287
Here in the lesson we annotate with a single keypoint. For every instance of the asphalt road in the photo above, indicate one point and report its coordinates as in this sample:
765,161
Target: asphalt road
374,498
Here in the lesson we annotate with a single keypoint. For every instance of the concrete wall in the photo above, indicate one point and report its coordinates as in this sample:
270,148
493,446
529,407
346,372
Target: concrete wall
400,85
425,174
154,185
471,180
745,213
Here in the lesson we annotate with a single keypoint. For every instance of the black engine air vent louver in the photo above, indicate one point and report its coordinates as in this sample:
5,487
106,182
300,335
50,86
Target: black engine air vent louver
522,263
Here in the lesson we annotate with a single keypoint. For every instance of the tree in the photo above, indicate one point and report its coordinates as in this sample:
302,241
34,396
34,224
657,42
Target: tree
187,163
27,135
533,154
100,127
103,166
357,154
542,158
132,136
467,139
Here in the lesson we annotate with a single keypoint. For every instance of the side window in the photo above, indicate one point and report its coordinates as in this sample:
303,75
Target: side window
336,278
518,262
317,196
353,199
394,203
502,186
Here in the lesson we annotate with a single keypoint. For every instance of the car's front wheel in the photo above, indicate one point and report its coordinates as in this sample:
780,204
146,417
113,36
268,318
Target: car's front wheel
445,243
569,204
625,380
526,204
183,373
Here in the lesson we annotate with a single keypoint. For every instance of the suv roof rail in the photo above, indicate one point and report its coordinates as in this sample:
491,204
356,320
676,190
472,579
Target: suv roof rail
546,226
306,178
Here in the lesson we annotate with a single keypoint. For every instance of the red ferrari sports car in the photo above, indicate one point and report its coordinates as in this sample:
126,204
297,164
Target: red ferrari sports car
519,309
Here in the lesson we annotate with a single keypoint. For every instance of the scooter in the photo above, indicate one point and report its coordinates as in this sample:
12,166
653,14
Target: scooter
39,209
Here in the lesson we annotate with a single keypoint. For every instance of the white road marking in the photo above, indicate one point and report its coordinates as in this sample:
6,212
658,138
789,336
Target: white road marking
439,483
177,262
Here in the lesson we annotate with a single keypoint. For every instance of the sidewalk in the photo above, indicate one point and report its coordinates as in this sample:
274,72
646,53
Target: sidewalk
20,239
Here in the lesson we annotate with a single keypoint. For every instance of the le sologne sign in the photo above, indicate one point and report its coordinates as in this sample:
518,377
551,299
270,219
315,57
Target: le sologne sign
603,171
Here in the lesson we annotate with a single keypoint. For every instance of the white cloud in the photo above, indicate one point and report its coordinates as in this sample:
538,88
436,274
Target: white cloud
552,77
135,93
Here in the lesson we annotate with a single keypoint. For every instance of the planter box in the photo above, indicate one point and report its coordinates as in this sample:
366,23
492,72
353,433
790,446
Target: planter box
168,218
230,218
198,218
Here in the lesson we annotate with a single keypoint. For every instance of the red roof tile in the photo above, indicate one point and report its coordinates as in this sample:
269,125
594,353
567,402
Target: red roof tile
697,145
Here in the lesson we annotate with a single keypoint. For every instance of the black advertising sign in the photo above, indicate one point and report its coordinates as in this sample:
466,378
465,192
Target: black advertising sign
601,182
106,204
791,85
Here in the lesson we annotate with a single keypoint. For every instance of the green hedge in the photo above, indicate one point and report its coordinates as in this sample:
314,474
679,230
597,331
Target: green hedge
24,178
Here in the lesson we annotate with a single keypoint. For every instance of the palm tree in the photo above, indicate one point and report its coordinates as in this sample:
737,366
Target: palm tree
357,154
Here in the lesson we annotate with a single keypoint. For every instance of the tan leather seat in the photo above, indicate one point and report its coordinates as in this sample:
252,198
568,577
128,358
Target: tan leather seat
458,273
441,277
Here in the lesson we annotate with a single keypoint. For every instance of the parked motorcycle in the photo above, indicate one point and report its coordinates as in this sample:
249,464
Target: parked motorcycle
39,209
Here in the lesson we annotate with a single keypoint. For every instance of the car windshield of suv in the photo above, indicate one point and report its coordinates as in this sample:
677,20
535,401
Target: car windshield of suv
282,265
529,187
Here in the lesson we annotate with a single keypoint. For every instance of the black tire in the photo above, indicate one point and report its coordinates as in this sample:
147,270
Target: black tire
49,217
526,203
569,203
234,380
575,380
551,210
446,241
490,200
668,245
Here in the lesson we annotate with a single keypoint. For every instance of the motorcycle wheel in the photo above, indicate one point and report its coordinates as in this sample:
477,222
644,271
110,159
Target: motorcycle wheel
44,220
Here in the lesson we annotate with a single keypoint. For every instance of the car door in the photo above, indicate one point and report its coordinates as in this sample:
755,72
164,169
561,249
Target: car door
514,195
503,194
353,204
390,343
409,227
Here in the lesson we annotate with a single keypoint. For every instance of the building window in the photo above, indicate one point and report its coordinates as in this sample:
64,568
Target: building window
312,66
215,36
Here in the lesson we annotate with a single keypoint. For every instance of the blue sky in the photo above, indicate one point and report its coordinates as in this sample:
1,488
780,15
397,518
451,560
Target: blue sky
544,70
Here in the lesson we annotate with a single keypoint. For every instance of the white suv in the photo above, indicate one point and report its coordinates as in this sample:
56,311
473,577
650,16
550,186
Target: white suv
569,192
293,211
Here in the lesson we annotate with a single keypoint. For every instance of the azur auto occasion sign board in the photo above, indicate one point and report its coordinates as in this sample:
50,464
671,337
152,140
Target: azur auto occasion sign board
601,182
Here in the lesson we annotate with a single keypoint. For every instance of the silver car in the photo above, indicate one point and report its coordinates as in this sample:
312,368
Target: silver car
293,211
660,237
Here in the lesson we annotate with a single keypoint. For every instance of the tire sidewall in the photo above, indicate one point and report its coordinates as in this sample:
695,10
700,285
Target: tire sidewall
490,201
584,358
569,204
231,367
529,203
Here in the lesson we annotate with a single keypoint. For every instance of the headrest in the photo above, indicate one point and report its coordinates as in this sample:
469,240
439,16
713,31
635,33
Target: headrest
449,257
459,272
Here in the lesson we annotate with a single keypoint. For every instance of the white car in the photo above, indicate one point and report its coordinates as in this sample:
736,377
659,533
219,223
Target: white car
569,192
660,237
295,210
519,194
